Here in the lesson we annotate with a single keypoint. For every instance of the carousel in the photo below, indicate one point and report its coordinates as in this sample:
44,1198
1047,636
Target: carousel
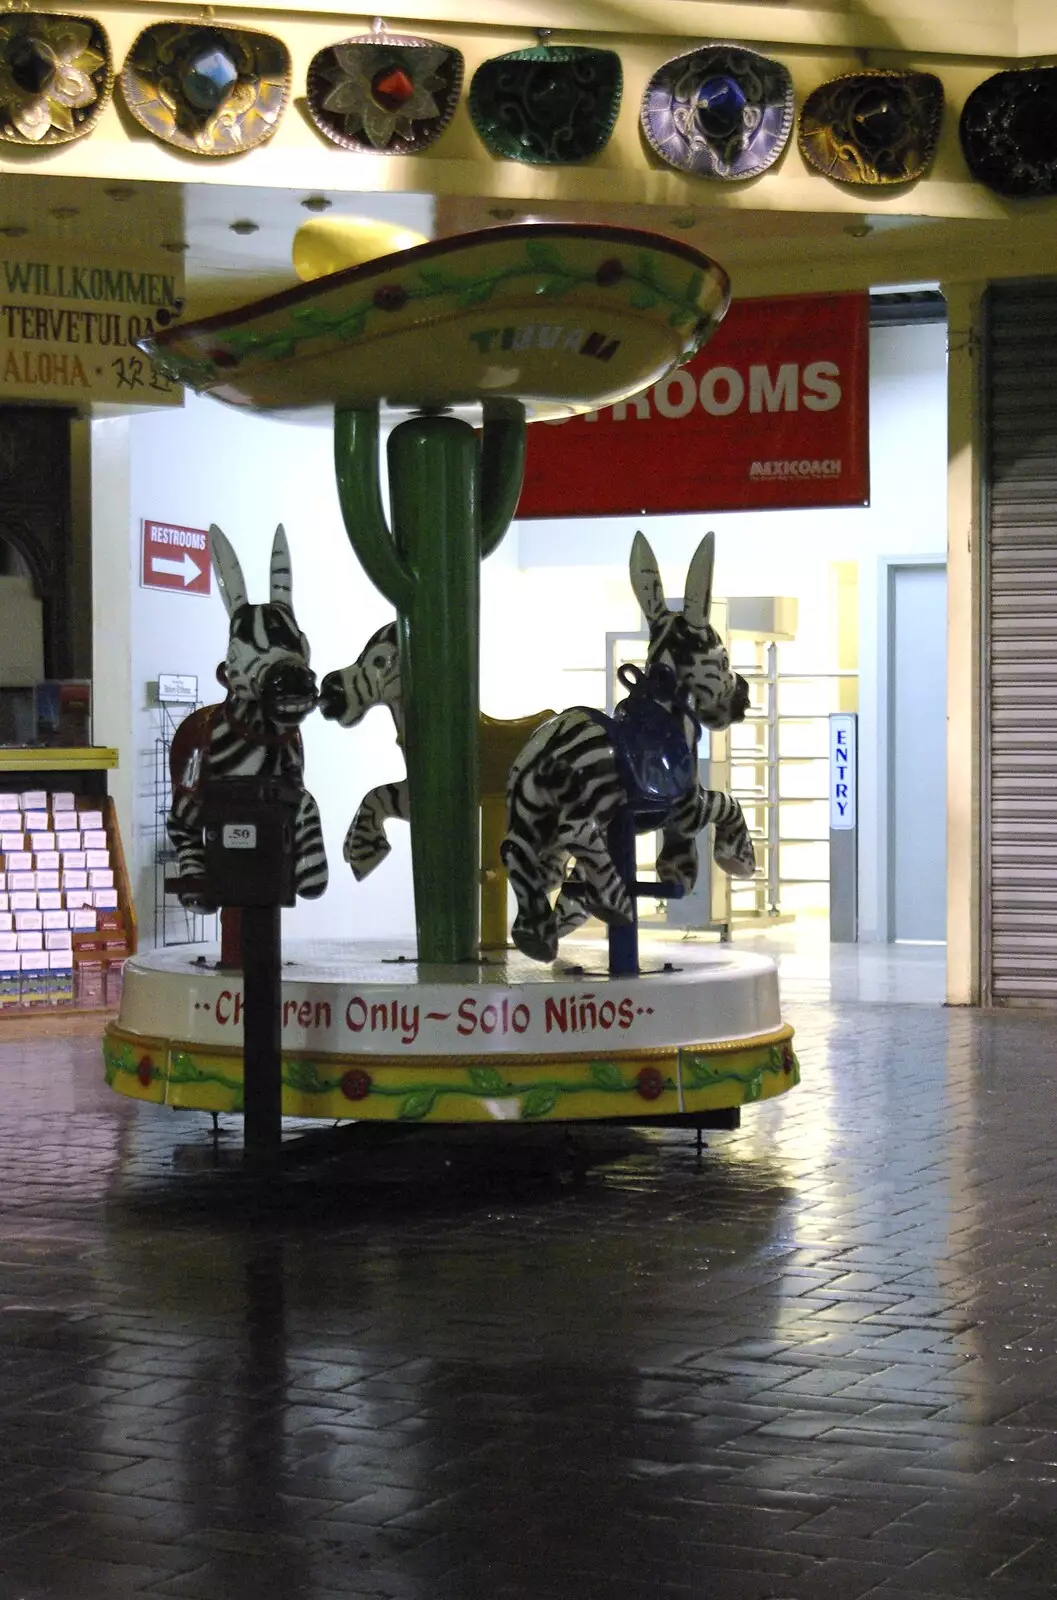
465,340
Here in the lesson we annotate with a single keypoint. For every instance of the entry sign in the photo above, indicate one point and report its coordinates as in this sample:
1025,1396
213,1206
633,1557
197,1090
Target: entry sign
842,769
176,558
771,414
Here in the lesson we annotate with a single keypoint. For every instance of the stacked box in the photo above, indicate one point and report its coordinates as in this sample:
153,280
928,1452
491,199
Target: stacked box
36,978
61,977
61,934
10,979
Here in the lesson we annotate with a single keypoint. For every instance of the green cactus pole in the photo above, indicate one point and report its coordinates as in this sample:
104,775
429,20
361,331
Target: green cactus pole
452,495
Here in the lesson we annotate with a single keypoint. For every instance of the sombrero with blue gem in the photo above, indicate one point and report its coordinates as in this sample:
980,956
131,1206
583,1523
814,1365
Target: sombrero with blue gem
872,128
1008,131
386,93
548,105
721,111
208,88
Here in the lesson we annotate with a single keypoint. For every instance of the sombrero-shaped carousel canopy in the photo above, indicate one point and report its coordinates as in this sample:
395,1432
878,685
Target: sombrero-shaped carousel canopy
561,317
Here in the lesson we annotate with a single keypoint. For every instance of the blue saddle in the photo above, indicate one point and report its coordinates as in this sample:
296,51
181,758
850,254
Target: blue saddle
656,764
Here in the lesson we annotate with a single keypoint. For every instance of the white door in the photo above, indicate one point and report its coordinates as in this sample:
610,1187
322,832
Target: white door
917,701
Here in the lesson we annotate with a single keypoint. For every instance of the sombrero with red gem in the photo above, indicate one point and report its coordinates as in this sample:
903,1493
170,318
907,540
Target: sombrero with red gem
388,93
722,111
872,128
1008,131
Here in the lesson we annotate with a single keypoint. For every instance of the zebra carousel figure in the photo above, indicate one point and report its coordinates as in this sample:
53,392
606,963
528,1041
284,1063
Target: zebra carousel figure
345,697
583,772
255,731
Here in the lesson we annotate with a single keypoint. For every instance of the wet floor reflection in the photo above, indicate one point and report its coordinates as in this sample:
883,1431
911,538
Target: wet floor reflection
817,1359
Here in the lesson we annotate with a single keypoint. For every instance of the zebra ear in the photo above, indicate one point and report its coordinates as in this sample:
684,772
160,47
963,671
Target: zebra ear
230,582
646,580
282,576
697,602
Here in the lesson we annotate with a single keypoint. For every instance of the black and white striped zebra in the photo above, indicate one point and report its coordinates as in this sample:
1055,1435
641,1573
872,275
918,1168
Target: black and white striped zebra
254,733
345,697
570,781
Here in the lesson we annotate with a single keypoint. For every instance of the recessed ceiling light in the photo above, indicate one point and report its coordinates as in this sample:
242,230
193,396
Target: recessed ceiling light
859,230
244,225
317,202
120,191
175,246
65,211
14,230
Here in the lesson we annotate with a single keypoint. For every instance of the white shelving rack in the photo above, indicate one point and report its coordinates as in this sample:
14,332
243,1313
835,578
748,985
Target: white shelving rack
779,769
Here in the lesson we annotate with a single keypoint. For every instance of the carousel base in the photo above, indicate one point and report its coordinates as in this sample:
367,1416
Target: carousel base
369,1033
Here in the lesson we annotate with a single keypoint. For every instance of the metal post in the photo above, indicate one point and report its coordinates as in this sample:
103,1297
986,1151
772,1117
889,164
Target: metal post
624,941
262,1038
774,821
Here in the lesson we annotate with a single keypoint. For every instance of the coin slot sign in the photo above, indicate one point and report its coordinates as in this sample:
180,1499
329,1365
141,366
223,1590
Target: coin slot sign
239,836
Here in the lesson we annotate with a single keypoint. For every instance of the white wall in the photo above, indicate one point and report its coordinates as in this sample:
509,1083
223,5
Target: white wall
550,594
210,463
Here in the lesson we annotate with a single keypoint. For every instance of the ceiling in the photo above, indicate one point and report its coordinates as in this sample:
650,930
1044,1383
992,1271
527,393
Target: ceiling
235,241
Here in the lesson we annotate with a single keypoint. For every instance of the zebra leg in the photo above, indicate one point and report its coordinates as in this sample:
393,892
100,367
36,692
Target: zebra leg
604,894
570,908
677,862
365,843
733,849
310,857
535,926
184,827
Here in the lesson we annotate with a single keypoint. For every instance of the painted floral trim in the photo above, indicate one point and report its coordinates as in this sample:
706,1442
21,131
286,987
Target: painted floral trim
647,291
417,1101
704,1072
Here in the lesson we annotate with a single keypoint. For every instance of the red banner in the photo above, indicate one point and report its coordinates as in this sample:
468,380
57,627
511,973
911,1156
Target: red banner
773,413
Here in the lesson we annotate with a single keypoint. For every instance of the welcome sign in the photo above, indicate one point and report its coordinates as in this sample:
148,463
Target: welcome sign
773,413
69,329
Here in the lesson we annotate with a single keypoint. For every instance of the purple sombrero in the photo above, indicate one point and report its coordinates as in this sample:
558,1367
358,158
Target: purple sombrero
721,111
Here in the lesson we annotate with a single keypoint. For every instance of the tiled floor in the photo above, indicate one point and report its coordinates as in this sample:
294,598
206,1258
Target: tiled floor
815,1363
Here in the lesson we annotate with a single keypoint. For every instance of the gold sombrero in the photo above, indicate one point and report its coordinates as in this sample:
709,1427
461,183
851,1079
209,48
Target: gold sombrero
56,77
209,89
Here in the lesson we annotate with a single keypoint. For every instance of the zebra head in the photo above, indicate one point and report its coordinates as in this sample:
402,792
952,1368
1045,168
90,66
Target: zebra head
266,666
685,640
372,680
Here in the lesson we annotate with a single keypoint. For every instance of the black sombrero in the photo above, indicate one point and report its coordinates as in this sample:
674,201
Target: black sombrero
1008,131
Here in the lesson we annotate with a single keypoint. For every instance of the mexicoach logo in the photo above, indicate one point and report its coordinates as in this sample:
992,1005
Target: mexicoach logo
796,469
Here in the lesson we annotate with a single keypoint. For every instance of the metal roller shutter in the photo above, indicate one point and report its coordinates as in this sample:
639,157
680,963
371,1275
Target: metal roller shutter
1020,648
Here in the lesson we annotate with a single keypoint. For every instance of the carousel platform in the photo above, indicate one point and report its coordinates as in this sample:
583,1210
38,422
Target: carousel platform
370,1033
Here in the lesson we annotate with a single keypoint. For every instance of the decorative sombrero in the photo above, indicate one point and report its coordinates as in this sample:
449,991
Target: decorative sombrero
872,128
56,77
388,93
721,111
212,89
548,105
1009,132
